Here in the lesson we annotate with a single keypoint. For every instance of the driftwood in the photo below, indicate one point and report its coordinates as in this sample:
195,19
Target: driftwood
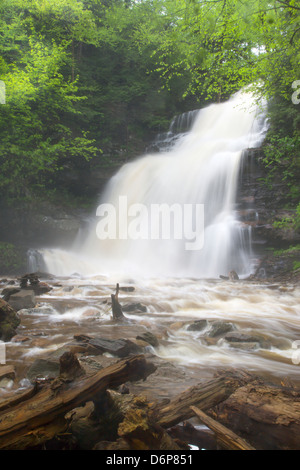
145,426
204,396
116,307
40,417
225,437
266,415
18,397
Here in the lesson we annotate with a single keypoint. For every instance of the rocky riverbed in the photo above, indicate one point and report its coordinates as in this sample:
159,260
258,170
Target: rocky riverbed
190,329
197,325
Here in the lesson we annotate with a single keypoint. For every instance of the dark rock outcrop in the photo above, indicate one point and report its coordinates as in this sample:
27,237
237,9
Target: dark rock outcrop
9,321
197,325
43,369
220,328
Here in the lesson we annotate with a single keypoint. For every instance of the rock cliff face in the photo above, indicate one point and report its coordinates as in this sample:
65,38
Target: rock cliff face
260,206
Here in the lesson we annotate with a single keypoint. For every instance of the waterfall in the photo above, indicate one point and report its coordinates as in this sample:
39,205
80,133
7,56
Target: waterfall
196,179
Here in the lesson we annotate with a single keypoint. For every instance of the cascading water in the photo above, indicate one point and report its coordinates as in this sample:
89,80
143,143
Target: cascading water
200,169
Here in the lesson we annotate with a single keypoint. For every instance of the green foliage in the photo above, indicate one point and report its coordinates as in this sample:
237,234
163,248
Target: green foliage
36,136
11,259
287,251
79,79
282,159
86,79
297,217
296,265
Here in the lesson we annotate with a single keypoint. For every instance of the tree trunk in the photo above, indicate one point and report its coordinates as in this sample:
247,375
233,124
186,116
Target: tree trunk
116,307
204,396
36,419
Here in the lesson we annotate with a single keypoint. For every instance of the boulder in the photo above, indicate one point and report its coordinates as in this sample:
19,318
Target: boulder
220,328
43,368
233,276
118,347
197,325
237,337
148,337
127,288
41,288
8,291
135,307
9,321
95,346
22,299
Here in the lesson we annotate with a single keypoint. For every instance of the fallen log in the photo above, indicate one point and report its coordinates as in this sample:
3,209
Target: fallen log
226,438
18,397
204,396
31,422
143,425
267,415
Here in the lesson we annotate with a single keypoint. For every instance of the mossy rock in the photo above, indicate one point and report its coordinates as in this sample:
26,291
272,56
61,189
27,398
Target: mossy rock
9,321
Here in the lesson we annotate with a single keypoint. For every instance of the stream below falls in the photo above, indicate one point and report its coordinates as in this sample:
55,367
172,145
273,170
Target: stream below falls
257,329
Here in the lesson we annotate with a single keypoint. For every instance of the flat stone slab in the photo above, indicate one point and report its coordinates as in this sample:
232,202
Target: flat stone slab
118,347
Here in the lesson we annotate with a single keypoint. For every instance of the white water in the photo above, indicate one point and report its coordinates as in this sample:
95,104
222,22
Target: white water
270,312
201,168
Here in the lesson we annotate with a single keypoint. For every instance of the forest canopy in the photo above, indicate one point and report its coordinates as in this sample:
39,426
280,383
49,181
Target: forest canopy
89,81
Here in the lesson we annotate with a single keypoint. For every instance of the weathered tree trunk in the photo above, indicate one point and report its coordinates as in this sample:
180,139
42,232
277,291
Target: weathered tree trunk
226,438
36,419
116,307
268,416
18,397
143,426
204,396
